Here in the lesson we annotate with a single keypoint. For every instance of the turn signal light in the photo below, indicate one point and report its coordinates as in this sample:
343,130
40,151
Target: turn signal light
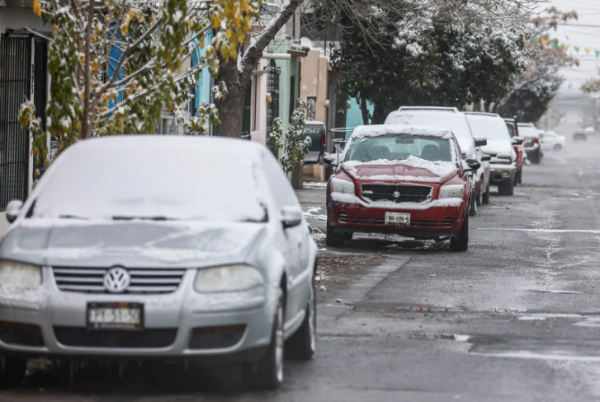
323,139
537,140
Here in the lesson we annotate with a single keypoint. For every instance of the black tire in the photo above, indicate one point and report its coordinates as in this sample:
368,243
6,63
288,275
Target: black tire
334,239
13,373
302,345
557,147
479,198
507,187
537,158
461,243
473,206
486,196
267,373
520,179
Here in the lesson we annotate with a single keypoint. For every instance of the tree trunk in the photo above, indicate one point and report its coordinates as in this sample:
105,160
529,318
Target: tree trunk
231,109
364,110
379,115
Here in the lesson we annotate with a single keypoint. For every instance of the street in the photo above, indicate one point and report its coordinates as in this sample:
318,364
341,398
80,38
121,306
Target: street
513,319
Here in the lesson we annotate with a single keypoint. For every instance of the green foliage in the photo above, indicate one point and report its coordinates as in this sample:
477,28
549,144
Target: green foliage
428,62
116,66
291,147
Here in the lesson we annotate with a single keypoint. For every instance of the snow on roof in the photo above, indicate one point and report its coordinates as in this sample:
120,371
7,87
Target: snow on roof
313,123
387,129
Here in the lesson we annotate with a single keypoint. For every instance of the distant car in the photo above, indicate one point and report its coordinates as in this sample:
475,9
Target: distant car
580,135
499,147
128,250
406,180
451,118
316,131
552,141
517,142
590,130
532,142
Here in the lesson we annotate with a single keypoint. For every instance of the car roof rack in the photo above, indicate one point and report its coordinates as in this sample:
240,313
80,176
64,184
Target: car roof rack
440,108
483,114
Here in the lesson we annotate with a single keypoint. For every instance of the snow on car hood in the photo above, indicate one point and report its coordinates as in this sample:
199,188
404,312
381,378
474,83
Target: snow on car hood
132,244
498,147
411,169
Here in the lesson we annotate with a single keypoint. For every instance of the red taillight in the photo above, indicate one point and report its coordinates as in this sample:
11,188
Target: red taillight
323,139
537,140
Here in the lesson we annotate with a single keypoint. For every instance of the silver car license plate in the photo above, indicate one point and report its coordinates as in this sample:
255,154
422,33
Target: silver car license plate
397,218
115,316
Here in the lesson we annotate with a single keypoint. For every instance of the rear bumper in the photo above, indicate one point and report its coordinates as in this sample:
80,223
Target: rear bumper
429,220
502,173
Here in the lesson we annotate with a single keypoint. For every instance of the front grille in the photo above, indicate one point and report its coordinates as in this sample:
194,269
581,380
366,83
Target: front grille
380,192
343,218
448,222
148,338
143,280
13,333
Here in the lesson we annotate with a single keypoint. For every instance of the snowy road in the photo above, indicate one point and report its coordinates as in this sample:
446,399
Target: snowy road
516,318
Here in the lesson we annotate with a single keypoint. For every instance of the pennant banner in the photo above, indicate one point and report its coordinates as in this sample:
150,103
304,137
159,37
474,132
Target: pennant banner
555,44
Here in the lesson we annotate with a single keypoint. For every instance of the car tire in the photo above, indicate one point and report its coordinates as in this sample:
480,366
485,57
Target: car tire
473,206
334,239
302,345
486,196
557,147
520,179
506,188
479,198
267,373
461,242
13,373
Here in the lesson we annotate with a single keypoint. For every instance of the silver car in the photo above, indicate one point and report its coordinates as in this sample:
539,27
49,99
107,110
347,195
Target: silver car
138,247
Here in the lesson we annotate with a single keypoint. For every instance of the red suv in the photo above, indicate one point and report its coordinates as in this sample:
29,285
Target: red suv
405,180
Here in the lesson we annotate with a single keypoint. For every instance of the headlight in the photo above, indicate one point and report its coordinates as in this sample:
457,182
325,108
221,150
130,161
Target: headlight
452,191
342,186
230,278
20,275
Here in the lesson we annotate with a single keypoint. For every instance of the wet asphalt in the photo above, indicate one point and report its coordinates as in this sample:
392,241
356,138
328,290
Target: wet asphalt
516,318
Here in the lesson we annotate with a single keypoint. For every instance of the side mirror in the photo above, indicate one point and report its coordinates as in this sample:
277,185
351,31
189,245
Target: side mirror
486,158
12,210
330,159
482,142
290,217
473,164
517,141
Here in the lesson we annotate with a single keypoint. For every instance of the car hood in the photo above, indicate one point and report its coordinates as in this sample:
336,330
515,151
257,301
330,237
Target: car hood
131,244
413,170
495,147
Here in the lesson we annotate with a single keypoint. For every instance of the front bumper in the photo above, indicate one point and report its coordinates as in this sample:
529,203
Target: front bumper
169,323
502,173
438,218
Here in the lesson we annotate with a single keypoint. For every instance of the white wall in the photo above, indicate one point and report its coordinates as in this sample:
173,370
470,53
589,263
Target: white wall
3,225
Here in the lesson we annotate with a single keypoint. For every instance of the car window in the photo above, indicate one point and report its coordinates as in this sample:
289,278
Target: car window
493,128
511,129
280,187
400,148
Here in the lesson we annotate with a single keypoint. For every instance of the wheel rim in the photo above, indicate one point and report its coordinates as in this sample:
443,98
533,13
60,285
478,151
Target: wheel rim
279,344
312,320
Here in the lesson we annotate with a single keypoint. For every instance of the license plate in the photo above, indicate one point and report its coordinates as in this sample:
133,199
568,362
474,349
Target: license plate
397,218
115,316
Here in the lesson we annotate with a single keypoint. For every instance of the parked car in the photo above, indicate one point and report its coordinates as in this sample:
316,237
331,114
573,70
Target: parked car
128,250
532,142
451,118
499,147
406,180
517,143
551,141
590,130
580,135
316,131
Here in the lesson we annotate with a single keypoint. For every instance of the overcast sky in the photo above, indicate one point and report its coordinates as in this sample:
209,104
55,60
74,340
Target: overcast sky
581,36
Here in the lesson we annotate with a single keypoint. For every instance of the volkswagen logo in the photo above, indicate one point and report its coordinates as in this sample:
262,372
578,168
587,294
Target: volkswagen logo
396,194
116,280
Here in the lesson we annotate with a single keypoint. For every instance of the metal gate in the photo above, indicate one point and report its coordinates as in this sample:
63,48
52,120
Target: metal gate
273,89
15,88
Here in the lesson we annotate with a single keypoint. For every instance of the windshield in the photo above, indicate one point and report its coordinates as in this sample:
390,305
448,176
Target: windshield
400,148
511,129
156,180
528,131
447,120
491,128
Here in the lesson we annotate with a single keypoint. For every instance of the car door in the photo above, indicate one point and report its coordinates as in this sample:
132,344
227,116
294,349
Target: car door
295,240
